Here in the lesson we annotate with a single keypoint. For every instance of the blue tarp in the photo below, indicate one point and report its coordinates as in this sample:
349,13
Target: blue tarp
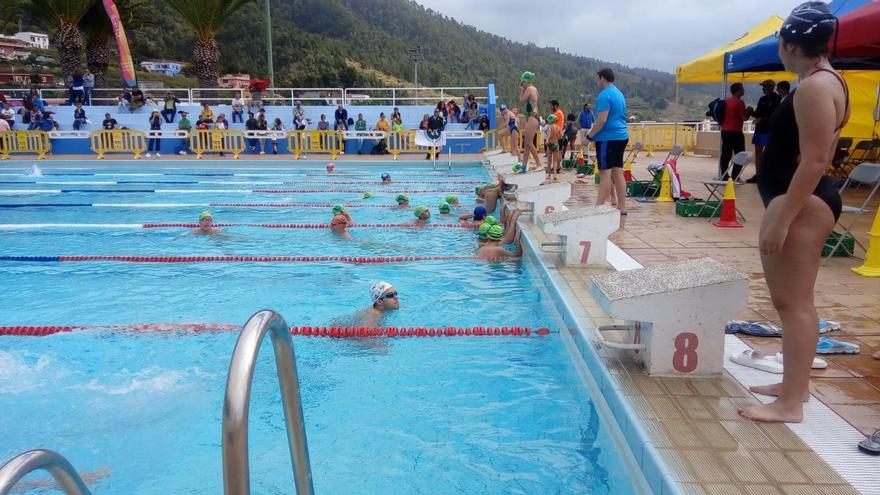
762,56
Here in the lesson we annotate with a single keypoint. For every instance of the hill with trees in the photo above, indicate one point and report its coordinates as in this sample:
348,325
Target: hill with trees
358,43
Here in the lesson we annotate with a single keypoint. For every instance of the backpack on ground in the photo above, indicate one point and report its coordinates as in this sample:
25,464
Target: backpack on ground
716,110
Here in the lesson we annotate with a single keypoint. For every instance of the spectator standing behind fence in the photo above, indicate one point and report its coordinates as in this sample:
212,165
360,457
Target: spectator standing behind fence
766,106
184,125
79,117
732,138
7,115
170,109
237,110
436,124
88,87
77,89
396,113
109,122
154,143
262,125
299,123
221,124
279,127
251,125
123,101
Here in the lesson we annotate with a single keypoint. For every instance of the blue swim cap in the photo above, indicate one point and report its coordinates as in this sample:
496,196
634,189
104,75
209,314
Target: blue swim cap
479,213
386,176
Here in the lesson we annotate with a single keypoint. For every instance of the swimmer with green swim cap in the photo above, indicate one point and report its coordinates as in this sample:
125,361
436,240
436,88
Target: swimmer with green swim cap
528,100
451,199
554,156
491,220
444,208
422,214
482,233
492,248
368,195
341,219
206,225
402,200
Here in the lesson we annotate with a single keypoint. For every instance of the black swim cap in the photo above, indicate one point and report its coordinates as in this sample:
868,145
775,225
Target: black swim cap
810,25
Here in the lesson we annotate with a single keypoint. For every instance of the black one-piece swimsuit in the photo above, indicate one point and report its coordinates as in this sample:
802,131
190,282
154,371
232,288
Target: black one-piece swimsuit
780,160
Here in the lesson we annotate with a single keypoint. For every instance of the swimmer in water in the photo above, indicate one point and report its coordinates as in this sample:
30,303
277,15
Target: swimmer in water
488,195
483,234
386,178
402,201
452,199
443,208
422,214
384,300
206,226
476,218
493,250
340,221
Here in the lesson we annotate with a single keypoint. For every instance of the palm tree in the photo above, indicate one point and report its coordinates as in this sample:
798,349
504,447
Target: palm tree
98,31
205,17
67,38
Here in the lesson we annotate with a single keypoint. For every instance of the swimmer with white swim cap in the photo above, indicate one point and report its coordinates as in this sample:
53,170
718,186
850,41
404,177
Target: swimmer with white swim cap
385,299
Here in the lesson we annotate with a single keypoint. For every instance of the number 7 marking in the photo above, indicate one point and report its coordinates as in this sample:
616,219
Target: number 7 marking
586,245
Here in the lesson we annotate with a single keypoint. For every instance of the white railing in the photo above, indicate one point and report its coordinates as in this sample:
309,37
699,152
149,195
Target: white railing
69,134
414,96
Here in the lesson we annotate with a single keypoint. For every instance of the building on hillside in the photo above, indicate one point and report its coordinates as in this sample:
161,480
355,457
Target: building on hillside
24,79
34,40
12,48
234,81
166,67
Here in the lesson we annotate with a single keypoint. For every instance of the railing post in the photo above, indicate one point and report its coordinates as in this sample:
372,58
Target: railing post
59,467
393,97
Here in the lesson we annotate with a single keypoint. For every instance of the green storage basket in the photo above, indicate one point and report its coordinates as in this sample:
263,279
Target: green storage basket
692,208
846,248
637,188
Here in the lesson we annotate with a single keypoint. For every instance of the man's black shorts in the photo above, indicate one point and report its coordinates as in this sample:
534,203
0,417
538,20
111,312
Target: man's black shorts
609,154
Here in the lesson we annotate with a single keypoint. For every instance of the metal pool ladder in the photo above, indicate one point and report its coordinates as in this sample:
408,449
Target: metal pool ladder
236,469
26,462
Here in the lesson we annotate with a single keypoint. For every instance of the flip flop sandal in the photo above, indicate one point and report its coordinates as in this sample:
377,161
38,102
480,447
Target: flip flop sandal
755,359
871,445
818,363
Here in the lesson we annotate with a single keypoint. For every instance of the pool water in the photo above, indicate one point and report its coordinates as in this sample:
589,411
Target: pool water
140,412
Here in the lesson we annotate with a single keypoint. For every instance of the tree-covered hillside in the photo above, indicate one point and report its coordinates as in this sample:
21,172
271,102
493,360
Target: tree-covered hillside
347,43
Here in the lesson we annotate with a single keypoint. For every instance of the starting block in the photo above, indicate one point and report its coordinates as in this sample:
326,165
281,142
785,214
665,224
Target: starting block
675,313
545,199
490,153
520,180
502,159
586,232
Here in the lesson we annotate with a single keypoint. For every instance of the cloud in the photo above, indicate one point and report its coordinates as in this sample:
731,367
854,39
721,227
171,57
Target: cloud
638,33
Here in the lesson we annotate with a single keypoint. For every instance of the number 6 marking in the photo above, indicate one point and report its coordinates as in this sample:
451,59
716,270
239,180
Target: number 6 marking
685,358
586,245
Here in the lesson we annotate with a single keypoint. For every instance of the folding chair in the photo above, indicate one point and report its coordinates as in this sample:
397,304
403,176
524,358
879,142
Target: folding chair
741,159
862,152
656,170
841,156
867,174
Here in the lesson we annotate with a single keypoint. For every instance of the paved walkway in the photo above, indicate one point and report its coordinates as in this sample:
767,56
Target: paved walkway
654,234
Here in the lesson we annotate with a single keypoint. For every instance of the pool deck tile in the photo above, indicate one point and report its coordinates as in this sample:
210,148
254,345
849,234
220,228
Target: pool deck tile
693,424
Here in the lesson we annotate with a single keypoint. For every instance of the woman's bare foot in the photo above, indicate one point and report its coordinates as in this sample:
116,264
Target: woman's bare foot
774,412
772,390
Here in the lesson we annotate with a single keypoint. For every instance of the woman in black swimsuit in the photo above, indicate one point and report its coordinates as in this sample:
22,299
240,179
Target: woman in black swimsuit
802,207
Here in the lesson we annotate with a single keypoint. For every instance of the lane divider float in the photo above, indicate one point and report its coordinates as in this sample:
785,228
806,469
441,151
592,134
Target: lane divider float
228,191
241,259
37,226
304,331
202,205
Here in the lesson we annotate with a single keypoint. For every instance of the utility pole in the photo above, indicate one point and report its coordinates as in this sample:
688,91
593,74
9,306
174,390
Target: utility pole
269,45
415,54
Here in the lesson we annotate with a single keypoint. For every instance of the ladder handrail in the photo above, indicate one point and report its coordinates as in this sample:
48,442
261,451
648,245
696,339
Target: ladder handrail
60,468
236,469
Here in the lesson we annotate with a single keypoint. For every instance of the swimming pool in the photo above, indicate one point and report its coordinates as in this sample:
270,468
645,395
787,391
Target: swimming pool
140,409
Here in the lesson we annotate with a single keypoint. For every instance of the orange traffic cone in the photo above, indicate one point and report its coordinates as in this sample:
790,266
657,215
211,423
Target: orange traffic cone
871,266
628,170
581,159
665,195
728,208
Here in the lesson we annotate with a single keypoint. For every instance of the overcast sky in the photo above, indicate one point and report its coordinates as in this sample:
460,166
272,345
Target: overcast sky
640,33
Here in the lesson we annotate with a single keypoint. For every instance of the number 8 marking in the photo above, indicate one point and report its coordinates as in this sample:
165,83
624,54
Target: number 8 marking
685,358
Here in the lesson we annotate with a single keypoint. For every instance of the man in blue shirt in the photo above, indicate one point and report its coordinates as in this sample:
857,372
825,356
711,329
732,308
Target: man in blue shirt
586,123
611,137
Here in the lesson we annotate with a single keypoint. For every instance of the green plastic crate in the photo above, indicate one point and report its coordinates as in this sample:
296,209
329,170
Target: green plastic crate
570,163
692,208
846,248
586,169
637,188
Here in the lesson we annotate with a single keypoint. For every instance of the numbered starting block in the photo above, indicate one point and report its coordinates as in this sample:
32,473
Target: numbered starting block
675,312
545,199
528,179
504,160
585,230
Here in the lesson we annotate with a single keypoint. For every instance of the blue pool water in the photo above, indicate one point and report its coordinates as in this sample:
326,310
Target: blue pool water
140,412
